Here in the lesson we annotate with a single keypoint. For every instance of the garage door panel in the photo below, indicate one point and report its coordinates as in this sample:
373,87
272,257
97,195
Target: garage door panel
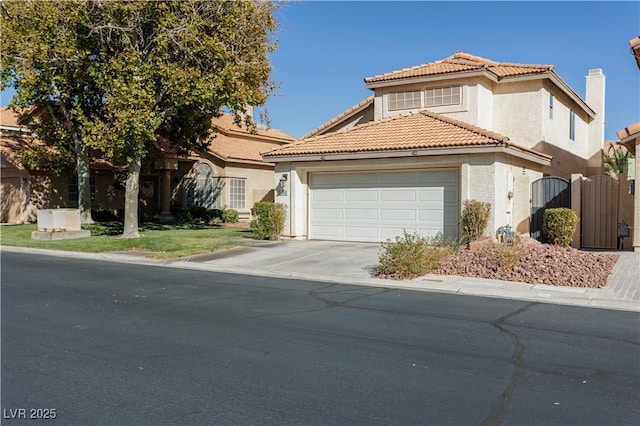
431,194
335,214
361,195
397,195
361,214
377,206
328,195
399,215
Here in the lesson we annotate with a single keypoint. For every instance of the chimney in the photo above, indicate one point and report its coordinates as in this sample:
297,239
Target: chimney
595,98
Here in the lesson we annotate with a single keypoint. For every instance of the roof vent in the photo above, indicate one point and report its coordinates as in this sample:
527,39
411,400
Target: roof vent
595,71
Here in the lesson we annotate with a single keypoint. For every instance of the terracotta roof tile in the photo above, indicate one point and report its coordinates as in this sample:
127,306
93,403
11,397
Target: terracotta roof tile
420,130
460,62
8,118
233,142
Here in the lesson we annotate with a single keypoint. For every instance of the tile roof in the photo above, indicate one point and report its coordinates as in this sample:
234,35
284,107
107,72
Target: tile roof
233,142
461,62
225,123
421,130
359,106
8,118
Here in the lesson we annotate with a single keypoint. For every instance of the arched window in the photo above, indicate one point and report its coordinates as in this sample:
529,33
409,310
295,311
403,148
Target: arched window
204,189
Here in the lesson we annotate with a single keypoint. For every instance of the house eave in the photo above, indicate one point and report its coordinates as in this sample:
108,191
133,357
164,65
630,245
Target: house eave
426,79
420,152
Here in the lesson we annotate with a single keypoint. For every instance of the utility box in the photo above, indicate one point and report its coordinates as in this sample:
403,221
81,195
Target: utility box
59,224
59,220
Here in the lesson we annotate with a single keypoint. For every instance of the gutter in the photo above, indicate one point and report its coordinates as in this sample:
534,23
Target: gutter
542,159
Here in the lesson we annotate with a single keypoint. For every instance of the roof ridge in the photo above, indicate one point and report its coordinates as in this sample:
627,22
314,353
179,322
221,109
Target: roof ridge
491,62
466,126
339,116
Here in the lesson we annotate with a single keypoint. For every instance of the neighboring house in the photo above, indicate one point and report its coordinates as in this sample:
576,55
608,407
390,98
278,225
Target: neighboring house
230,174
630,137
432,137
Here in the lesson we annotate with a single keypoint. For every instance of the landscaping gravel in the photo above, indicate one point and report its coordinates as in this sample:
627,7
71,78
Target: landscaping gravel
540,264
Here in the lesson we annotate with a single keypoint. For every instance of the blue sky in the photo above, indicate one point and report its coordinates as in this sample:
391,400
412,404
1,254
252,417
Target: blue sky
326,49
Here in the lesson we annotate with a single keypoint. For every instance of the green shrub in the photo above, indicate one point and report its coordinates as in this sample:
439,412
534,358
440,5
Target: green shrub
269,219
412,255
475,218
509,254
559,225
230,216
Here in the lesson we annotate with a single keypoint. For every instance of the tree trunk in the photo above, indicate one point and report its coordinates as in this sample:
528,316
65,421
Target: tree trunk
131,200
84,183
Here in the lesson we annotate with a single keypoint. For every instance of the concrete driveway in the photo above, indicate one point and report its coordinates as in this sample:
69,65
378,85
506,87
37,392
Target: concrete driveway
296,258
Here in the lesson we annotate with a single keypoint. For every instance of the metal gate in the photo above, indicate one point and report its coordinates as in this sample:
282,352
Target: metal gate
599,221
547,193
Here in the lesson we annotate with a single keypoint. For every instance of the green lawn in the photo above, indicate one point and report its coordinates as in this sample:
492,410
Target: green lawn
162,241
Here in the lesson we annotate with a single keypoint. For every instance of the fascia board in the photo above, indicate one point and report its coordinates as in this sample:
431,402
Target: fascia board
526,155
427,79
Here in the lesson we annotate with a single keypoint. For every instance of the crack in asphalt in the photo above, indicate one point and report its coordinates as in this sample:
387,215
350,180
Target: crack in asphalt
316,294
496,417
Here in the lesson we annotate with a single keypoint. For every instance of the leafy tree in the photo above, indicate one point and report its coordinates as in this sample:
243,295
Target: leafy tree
163,69
46,59
616,161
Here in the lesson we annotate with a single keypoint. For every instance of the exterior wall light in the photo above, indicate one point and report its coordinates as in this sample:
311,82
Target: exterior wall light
280,189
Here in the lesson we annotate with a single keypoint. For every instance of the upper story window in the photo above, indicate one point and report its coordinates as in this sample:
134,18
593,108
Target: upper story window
572,125
404,100
439,96
551,99
237,193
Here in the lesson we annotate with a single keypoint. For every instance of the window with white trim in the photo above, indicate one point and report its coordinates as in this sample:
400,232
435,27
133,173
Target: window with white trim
440,96
404,100
237,190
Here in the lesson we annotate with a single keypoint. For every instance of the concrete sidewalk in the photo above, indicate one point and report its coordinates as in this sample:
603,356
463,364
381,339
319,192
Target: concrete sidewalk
352,263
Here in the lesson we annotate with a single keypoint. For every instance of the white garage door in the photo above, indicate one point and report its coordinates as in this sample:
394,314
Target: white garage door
374,206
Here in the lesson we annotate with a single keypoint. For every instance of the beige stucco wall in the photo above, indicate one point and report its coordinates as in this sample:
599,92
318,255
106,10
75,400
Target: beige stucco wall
520,111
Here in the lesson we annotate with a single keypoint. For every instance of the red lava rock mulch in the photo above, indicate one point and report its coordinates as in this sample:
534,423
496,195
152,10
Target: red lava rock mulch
541,264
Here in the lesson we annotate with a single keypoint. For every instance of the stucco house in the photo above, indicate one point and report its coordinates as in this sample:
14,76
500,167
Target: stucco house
230,174
630,137
433,136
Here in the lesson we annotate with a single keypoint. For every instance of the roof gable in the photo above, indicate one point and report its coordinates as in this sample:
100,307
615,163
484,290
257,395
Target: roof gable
462,62
422,130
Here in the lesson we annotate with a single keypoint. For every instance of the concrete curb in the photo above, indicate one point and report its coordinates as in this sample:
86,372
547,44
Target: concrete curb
449,284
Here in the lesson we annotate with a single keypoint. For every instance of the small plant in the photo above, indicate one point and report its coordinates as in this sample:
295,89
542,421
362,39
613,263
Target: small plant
269,219
230,216
509,254
413,255
559,225
475,218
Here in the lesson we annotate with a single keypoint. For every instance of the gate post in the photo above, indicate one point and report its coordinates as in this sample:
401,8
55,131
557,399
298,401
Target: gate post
576,206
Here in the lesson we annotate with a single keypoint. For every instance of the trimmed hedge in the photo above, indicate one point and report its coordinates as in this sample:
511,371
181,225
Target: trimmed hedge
559,225
269,218
230,216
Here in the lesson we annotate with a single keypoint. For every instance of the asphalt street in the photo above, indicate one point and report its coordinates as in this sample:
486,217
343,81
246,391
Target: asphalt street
105,343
